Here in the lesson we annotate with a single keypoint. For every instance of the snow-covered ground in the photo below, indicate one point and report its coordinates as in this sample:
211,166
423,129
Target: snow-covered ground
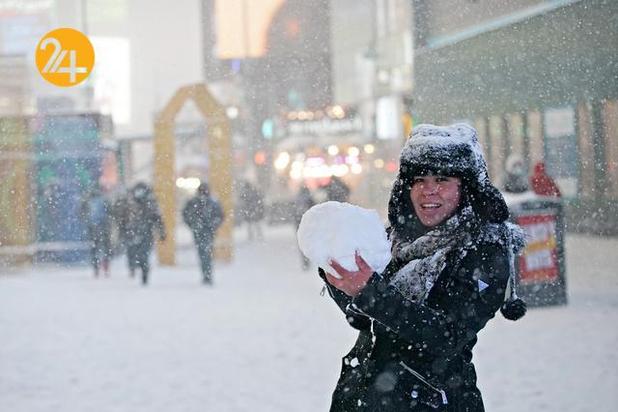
263,339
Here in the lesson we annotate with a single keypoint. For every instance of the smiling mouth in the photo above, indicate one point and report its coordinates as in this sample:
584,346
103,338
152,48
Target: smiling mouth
430,206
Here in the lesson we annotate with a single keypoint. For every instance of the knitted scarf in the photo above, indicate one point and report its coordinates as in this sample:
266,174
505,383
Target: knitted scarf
425,257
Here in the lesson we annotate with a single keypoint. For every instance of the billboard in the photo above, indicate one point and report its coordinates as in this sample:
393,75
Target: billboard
68,158
242,26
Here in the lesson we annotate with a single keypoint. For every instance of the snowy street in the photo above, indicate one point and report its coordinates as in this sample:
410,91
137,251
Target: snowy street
263,339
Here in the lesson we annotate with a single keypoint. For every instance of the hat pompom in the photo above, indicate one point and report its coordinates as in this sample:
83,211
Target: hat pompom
514,309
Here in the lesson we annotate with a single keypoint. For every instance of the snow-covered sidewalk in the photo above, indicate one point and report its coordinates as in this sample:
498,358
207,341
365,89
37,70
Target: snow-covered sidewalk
263,339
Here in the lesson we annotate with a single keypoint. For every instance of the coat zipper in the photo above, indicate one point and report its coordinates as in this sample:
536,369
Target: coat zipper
422,379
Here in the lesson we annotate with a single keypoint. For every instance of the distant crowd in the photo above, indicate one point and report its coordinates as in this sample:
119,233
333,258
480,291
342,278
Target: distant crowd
138,220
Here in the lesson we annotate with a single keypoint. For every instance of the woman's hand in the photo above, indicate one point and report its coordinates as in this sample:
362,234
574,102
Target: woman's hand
351,283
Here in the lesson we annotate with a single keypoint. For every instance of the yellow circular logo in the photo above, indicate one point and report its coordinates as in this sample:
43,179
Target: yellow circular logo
64,57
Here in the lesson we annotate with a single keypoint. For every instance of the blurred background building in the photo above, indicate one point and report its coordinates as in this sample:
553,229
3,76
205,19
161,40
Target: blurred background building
314,89
537,78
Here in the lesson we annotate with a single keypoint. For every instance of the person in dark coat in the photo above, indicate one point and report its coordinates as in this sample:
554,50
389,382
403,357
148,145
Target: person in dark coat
203,215
96,215
541,183
303,202
143,220
252,207
452,269
337,190
120,213
516,175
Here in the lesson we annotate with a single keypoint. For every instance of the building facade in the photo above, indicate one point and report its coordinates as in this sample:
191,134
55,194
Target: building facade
538,79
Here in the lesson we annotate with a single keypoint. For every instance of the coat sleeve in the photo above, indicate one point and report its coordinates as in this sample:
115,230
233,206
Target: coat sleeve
471,297
219,216
158,221
187,214
356,320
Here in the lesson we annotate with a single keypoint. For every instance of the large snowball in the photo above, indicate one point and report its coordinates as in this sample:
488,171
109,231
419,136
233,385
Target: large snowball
336,230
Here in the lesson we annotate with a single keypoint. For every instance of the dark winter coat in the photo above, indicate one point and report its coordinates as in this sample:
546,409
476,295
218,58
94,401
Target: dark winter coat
514,183
516,175
143,221
337,190
422,352
303,202
203,214
418,323
120,213
251,203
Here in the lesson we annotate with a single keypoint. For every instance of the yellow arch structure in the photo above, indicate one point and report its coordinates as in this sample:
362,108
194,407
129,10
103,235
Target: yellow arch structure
16,211
220,170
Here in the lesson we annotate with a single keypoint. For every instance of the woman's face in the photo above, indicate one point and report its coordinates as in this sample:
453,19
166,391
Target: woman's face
435,198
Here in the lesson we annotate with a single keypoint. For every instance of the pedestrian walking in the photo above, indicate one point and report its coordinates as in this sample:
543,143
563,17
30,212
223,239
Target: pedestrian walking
252,207
303,202
120,214
143,221
337,190
542,184
452,261
203,214
96,215
516,175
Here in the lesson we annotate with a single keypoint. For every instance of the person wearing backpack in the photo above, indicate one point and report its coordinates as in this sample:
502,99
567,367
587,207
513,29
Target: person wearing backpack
203,214
96,216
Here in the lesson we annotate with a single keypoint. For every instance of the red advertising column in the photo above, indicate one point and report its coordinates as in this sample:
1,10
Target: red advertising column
541,266
539,261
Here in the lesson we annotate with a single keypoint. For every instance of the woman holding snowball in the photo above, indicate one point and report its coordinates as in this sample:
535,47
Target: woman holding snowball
451,269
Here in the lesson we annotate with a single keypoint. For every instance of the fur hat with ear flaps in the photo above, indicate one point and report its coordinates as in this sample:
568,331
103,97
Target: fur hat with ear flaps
452,151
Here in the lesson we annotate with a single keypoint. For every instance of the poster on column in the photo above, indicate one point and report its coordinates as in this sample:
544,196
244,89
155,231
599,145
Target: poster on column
539,261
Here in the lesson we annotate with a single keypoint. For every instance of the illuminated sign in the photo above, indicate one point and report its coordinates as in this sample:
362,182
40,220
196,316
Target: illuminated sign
325,126
242,27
